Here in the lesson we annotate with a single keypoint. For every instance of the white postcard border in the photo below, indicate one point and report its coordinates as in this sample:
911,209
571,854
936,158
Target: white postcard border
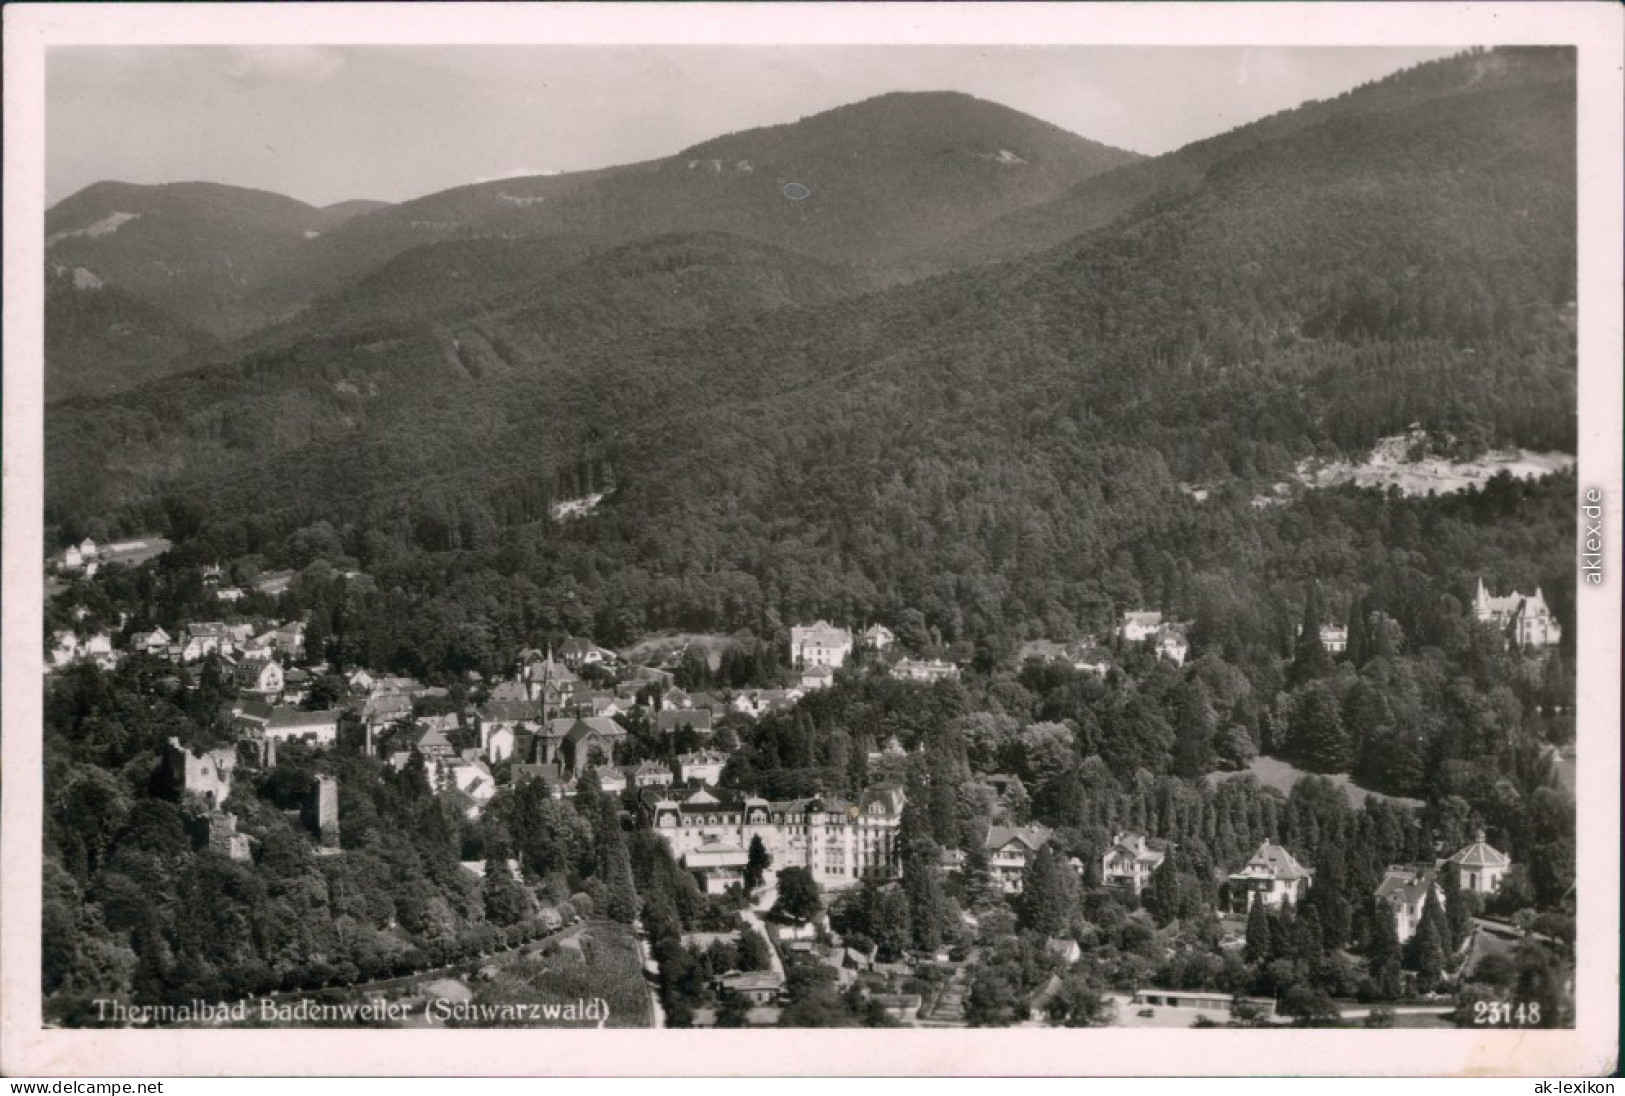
1590,1049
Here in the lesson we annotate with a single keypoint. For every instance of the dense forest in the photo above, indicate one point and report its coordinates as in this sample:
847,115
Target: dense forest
993,429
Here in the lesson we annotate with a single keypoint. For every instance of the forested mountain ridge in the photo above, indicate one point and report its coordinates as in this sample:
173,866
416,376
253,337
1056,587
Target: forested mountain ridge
198,250
385,387
101,339
882,178
1103,198
1018,423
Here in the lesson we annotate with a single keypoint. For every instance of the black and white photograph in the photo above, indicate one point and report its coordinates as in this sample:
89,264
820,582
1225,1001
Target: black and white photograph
1079,540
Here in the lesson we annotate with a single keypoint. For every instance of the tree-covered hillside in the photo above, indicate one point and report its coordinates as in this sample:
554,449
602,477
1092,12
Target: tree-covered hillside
198,250
101,340
1103,198
880,179
1017,424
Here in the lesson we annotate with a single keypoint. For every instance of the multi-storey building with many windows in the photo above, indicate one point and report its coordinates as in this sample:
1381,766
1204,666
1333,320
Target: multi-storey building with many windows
838,841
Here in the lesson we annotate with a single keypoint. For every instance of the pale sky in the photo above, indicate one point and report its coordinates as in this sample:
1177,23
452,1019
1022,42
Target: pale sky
325,124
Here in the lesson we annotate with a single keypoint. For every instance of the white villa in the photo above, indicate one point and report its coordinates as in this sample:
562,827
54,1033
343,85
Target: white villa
820,644
1273,876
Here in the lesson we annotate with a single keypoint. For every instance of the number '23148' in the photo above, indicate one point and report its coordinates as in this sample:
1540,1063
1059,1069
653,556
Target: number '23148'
1506,1013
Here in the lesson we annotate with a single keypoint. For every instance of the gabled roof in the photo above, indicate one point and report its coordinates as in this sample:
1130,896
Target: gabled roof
593,724
1144,618
432,738
509,711
1407,885
670,719
1034,837
821,634
509,692
1273,860
294,717
1135,845
385,705
250,668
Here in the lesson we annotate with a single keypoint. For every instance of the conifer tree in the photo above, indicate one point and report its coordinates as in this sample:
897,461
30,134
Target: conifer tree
1358,644
1456,909
1381,637
1193,732
1260,942
922,883
1318,734
756,864
1382,952
1430,954
1048,894
1309,657
1162,897
976,877
614,865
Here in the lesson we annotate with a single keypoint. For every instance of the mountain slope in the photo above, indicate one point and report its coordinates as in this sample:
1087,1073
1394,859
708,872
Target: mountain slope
883,178
100,340
1006,430
390,377
1103,198
331,216
197,250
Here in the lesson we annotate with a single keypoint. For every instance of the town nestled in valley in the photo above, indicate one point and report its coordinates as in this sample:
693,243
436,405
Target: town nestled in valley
840,903
911,567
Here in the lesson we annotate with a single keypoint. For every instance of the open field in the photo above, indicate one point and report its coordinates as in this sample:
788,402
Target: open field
655,649
1272,772
601,963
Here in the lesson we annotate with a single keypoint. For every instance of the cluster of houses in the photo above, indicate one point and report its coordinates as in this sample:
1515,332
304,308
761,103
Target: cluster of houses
1088,655
1167,637
547,721
243,641
817,650
1274,877
87,557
